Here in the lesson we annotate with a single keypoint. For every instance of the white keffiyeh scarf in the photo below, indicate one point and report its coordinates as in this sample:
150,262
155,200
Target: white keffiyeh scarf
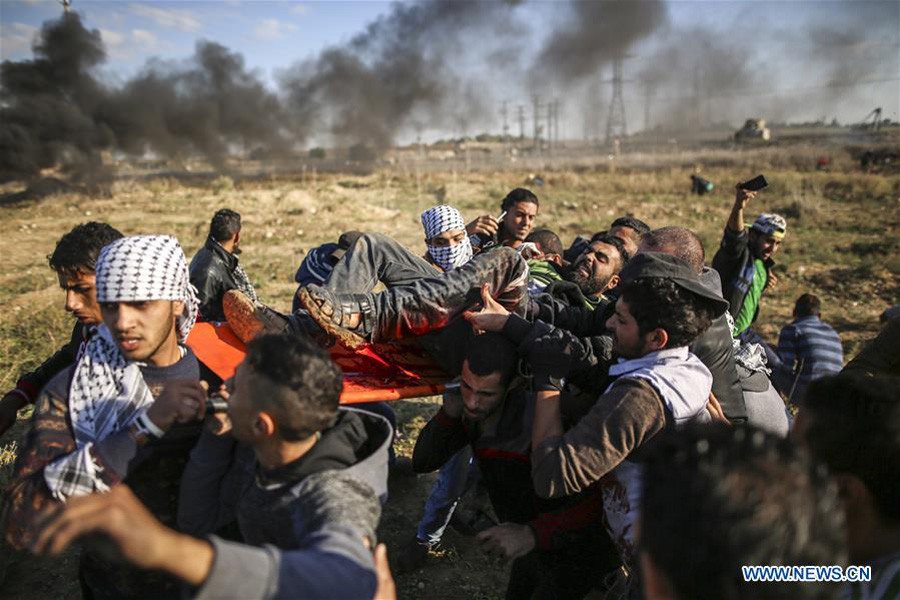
437,220
108,392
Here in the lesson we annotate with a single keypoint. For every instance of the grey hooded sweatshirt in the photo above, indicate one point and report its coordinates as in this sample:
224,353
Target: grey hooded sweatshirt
304,524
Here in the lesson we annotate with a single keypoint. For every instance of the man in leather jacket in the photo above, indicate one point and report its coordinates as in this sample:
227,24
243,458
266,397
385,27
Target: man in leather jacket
214,269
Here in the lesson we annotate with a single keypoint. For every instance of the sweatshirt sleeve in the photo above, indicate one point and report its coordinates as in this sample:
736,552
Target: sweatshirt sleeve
331,564
620,421
27,494
337,514
440,439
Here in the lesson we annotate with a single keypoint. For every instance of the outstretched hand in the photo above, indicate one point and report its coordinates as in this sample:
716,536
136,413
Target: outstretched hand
137,535
492,316
508,541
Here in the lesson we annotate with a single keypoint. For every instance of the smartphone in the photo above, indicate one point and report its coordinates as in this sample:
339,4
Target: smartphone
754,185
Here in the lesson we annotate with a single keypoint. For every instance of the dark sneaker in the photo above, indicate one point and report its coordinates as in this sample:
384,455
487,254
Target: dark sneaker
412,556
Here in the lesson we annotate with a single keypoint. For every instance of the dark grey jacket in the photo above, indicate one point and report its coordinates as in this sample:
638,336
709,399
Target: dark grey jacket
304,524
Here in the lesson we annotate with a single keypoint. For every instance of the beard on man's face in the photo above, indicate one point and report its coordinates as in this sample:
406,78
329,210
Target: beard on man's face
588,285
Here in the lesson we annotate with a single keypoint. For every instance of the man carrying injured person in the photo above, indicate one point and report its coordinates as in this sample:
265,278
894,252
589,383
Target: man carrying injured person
128,411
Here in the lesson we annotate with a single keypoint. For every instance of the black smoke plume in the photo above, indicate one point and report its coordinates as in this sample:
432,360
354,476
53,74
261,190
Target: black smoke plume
55,112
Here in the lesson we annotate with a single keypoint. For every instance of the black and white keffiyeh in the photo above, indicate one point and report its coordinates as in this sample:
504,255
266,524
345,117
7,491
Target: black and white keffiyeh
147,267
437,220
108,392
243,283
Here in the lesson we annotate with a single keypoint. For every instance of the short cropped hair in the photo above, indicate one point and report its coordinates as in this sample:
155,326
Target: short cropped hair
639,226
516,196
547,241
77,251
308,380
680,242
656,302
716,498
855,428
807,305
224,225
605,238
491,353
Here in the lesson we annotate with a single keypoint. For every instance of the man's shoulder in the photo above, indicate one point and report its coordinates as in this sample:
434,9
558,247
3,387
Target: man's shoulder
58,386
336,496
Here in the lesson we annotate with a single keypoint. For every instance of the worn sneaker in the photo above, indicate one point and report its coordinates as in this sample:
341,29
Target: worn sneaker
248,319
328,313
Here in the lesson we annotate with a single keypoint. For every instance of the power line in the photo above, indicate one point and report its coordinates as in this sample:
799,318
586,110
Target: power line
753,92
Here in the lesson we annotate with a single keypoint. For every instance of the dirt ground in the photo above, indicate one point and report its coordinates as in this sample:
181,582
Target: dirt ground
842,244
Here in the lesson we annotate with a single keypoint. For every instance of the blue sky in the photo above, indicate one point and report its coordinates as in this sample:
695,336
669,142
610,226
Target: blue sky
270,34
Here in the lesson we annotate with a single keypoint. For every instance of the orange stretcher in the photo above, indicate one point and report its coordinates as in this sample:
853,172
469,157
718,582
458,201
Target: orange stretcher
373,373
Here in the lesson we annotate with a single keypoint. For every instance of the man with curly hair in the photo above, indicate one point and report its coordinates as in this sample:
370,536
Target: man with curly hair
74,260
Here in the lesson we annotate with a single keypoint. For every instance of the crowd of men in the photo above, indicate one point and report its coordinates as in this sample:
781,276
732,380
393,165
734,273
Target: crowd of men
630,431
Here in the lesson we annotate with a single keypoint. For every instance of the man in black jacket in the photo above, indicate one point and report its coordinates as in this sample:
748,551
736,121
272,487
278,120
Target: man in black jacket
73,259
215,270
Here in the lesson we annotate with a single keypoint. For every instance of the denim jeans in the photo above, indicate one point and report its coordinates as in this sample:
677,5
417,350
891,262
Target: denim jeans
375,257
454,478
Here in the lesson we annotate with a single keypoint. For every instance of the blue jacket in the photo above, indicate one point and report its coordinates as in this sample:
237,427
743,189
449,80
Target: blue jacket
808,349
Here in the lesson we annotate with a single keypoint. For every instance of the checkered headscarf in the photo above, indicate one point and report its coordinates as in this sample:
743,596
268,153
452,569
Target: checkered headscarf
147,267
770,224
437,220
108,393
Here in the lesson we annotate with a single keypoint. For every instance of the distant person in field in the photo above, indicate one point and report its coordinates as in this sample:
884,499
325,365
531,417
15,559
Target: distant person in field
129,410
215,268
717,498
808,349
852,424
744,260
521,207
74,260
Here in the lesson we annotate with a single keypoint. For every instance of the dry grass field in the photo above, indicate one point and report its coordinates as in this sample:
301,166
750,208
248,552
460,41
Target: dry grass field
842,244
